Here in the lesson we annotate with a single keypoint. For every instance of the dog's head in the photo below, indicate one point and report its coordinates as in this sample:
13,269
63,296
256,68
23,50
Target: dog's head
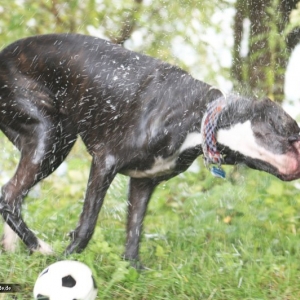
261,135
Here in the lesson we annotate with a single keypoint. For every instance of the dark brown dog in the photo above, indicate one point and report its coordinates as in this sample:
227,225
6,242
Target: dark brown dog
136,115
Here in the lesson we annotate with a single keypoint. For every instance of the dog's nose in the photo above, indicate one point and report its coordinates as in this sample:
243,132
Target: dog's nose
294,138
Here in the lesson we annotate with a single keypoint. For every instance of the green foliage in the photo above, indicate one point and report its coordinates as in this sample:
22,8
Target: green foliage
153,27
278,54
261,71
294,20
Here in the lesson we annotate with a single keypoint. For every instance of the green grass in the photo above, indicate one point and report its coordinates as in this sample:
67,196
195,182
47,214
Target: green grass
205,238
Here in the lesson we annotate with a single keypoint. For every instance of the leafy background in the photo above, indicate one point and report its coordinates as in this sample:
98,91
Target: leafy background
204,238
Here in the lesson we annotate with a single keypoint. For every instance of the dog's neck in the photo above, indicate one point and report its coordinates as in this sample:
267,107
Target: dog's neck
208,131
211,122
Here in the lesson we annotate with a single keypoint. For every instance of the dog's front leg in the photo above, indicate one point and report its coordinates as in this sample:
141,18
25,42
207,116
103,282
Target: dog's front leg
101,175
140,191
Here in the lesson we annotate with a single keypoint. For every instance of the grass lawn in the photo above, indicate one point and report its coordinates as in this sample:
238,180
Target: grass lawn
204,238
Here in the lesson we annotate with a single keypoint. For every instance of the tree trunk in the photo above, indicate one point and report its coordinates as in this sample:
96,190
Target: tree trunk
262,71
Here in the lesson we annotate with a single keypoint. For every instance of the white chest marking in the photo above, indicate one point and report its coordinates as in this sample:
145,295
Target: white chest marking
160,167
164,166
240,138
192,140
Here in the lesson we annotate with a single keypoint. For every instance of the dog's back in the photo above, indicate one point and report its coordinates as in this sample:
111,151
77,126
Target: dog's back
77,74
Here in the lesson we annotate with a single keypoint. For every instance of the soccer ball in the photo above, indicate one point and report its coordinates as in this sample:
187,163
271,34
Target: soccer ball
65,280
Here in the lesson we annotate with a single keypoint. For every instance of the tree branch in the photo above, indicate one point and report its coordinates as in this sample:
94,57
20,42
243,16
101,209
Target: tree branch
129,25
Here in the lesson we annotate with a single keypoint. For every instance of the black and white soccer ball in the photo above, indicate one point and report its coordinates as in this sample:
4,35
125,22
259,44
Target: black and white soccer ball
65,280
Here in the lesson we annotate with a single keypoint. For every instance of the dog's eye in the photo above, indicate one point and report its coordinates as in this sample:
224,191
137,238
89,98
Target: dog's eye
270,121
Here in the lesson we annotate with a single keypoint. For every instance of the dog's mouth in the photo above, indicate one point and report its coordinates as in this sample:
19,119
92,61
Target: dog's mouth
288,165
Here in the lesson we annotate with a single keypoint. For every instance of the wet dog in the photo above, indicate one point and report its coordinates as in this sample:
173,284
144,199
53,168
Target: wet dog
136,115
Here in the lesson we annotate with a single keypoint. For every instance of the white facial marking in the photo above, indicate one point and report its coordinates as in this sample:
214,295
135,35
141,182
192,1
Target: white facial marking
192,140
240,138
10,238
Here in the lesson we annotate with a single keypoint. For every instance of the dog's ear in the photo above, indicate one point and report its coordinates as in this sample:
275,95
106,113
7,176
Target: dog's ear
236,111
267,113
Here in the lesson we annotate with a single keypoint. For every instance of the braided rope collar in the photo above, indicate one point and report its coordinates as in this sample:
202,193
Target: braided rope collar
209,141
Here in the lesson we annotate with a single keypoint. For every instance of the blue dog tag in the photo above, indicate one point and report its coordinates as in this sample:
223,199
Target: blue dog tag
218,172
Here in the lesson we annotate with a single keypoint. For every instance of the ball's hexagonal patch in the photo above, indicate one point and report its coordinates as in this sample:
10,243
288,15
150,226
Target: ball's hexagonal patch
68,281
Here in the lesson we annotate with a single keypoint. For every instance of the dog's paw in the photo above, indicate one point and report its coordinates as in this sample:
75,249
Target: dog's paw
138,265
135,263
44,248
76,246
79,241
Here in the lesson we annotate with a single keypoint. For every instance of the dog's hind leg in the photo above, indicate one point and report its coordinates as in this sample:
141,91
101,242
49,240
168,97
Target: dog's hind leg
13,193
28,173
42,151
